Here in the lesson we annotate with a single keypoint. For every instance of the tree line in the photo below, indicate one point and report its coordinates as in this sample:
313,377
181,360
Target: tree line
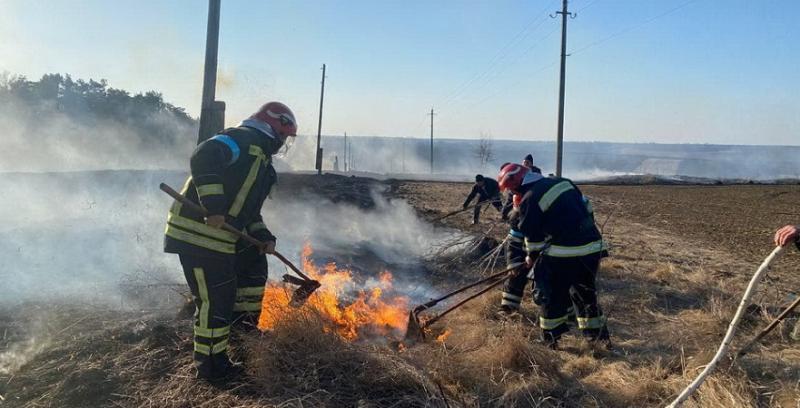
90,102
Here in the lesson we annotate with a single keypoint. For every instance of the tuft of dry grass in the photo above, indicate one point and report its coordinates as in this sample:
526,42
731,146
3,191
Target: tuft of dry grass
300,360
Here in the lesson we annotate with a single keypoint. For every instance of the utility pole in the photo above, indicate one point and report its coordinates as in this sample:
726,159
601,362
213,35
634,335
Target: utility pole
345,152
431,115
560,141
403,153
319,127
212,113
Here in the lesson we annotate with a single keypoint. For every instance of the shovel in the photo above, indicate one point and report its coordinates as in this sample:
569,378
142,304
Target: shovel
307,286
460,210
769,328
416,327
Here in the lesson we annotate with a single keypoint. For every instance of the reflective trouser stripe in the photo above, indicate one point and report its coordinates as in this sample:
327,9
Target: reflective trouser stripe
248,299
247,307
256,291
209,350
212,333
559,251
238,202
510,299
550,324
553,193
210,189
591,322
200,277
513,238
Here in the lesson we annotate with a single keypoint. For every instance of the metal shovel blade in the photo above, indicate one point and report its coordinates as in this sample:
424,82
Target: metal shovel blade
303,292
414,331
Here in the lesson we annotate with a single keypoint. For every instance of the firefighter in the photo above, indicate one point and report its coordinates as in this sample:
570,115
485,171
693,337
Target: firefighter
555,214
517,248
487,191
508,207
231,176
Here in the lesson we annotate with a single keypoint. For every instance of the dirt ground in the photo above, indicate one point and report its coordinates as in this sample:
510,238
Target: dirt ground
680,257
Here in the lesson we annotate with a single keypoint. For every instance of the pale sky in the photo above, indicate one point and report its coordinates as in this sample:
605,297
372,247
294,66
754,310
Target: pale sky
663,71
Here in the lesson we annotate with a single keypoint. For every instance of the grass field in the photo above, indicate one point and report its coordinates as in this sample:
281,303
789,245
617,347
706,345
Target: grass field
680,257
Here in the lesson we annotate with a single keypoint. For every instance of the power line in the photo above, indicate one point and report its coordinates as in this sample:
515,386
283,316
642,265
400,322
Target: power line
631,28
432,114
591,3
501,54
500,90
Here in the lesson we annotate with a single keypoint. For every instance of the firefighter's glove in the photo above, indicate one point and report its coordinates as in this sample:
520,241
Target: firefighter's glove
267,247
215,221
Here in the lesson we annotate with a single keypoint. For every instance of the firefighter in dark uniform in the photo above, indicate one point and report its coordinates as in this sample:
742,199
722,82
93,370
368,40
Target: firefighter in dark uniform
231,176
487,191
553,212
517,249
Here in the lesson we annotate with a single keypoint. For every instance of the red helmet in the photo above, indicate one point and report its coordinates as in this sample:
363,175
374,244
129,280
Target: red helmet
511,175
279,117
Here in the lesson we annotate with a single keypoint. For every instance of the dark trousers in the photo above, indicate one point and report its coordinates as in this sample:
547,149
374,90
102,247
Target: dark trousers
513,290
560,284
213,285
251,276
221,288
494,201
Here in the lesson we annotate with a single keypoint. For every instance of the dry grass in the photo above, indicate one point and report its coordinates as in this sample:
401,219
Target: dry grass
668,300
302,361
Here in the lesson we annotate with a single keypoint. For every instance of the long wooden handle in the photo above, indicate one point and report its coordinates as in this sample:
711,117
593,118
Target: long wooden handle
726,341
227,227
769,327
464,209
461,303
433,302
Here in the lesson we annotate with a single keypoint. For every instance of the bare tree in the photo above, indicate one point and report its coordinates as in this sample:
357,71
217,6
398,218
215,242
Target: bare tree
484,151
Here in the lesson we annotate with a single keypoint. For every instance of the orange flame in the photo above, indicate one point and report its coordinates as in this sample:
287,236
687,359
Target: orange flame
442,337
368,314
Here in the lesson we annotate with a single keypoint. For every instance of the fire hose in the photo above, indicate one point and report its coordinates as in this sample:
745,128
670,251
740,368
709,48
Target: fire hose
726,341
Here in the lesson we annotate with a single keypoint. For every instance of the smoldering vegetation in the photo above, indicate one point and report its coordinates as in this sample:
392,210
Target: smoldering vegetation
63,124
92,236
461,159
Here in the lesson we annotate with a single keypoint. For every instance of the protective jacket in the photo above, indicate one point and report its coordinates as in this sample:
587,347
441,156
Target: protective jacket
231,175
490,190
555,218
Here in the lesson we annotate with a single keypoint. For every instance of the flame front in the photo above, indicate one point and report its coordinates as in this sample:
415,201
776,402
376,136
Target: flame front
368,314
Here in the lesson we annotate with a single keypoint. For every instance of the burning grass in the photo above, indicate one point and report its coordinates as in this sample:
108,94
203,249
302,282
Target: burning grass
340,304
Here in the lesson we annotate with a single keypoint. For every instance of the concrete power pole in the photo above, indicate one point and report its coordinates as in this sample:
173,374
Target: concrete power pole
345,152
560,141
212,113
319,127
431,115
